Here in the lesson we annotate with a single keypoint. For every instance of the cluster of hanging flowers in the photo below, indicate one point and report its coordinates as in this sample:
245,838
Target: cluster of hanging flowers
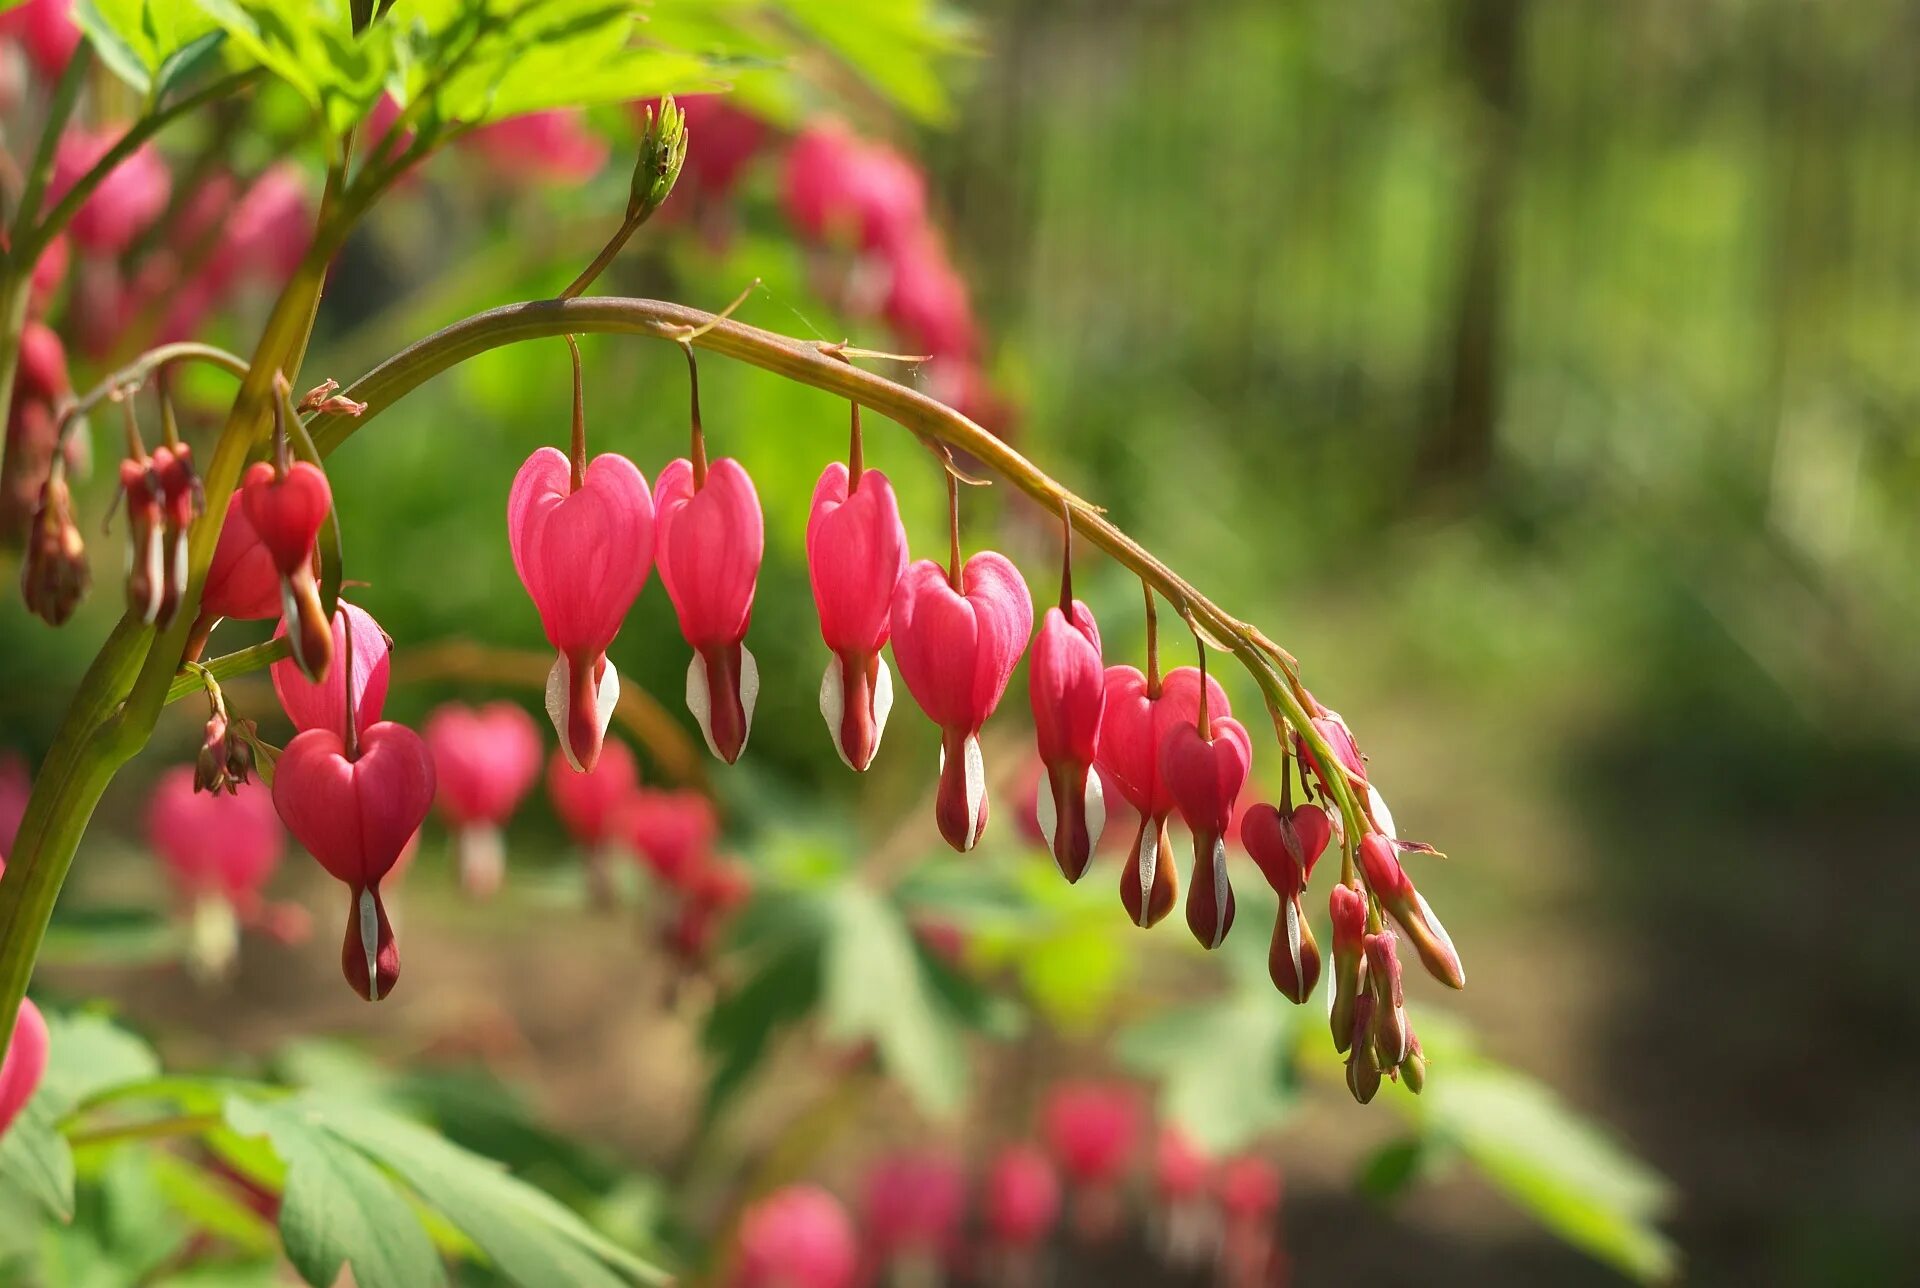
924,1216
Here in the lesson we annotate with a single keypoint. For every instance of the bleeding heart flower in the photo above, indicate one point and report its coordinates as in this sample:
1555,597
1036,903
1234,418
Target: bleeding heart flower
957,650
1134,725
1286,846
583,552
913,1204
711,540
1204,774
856,551
838,187
1022,1197
1185,1223
286,511
1249,1193
798,1237
671,832
220,848
1391,1034
41,385
1067,687
242,582
485,759
550,147
180,504
126,203
589,804
146,533
725,138
324,705
356,815
1092,1129
1391,885
24,1063
714,891
927,301
46,32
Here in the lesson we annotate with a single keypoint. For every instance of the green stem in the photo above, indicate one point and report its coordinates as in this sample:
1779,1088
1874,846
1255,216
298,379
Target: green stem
147,1129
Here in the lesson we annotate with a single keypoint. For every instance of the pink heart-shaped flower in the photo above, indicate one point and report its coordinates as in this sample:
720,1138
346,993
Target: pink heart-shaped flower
286,512
324,705
25,1061
1066,686
484,760
1204,774
583,554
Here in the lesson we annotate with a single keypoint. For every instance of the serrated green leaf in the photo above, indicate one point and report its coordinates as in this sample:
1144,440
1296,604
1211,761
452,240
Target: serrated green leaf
36,1160
338,1209
89,1054
212,1205
153,45
875,988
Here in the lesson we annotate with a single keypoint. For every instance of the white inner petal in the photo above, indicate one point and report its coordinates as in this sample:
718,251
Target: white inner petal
976,769
1047,816
1219,892
156,561
1440,933
1291,910
1381,814
833,707
606,696
557,707
1096,809
370,942
700,701
1149,865
749,694
882,700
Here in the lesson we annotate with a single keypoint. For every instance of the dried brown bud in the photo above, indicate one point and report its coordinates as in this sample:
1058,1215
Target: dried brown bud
55,575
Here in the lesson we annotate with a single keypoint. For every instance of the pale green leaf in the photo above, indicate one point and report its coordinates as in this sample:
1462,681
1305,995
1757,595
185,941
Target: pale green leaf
875,988
1224,1069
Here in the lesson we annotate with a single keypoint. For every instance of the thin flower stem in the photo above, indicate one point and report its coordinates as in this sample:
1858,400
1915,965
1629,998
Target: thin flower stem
578,457
697,445
227,665
856,452
147,1129
1200,647
1153,640
1066,559
136,373
608,253
953,533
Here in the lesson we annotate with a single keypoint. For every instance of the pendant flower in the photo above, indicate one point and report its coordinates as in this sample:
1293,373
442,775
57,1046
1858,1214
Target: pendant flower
1390,884
484,760
324,705
286,510
711,540
957,649
856,551
220,849
24,1063
1285,847
242,582
583,546
1067,688
1203,773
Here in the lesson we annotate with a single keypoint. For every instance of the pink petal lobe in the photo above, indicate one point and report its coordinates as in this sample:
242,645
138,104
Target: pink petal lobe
711,542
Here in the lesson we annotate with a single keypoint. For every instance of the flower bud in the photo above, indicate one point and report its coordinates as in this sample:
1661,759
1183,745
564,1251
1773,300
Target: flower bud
1349,911
1413,1070
210,766
54,575
1395,890
1363,1070
146,552
1204,773
1067,685
180,504
1286,846
798,1237
663,150
1390,1032
856,551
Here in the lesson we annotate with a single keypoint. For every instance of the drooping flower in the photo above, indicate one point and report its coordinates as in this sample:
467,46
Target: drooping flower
242,582
220,849
856,551
1347,908
1391,1034
1092,1130
41,385
1067,687
583,548
1250,1191
180,504
723,139
957,647
355,814
126,203
484,759
798,1237
838,187
912,1207
24,1063
671,831
1186,1224
552,146
1204,773
589,806
46,33
1391,885
927,302
1020,1202
711,541
146,535
708,896
1134,724
1285,847
324,705
54,575
286,508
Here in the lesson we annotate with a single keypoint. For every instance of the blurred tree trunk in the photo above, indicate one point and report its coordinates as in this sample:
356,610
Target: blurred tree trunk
1460,441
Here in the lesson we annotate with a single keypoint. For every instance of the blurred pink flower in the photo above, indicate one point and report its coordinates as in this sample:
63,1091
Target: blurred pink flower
1021,1196
589,804
129,199
214,843
485,759
798,1237
839,187
721,141
45,32
913,1204
926,300
672,832
547,147
1092,1128
24,1061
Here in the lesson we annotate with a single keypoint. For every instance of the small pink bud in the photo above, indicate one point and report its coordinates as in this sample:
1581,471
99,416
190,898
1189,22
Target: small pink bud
1204,775
24,1063
711,540
1066,686
798,1237
54,575
484,760
1133,727
324,705
856,551
1022,1196
1390,1032
583,555
41,386
1363,1066
356,816
957,649
1395,890
1348,908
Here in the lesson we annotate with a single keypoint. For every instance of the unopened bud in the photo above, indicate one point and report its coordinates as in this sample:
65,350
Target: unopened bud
54,575
1388,881
311,400
1363,1071
1413,1069
210,766
1390,1031
146,555
663,150
1348,908
341,405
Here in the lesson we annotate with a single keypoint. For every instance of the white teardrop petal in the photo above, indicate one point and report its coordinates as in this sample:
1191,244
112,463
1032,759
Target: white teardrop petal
1096,809
1047,816
1382,816
749,694
1219,892
833,706
1291,910
557,706
1149,866
370,942
976,768
700,701
882,700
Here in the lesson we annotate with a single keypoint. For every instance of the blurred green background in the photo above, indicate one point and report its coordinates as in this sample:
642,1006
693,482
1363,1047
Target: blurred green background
1540,374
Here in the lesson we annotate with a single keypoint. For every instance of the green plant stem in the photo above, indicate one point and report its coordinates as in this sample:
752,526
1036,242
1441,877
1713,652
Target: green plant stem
147,1129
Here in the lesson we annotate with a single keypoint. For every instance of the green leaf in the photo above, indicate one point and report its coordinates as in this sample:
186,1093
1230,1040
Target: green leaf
898,48
153,45
741,1025
36,1160
338,1208
212,1205
311,45
1393,1168
876,987
1225,1069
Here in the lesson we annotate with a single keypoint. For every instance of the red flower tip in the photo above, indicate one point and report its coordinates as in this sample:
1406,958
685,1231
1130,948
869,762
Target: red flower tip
24,1063
711,541
798,1237
583,556
1204,775
324,705
1391,885
356,816
1067,687
856,551
957,650
1022,1196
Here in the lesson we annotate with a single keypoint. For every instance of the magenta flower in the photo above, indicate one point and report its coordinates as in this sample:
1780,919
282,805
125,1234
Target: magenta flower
41,383
583,548
1390,884
484,759
1186,1223
286,509
46,33
1285,847
1347,907
798,1237
1067,687
355,814
242,582
927,301
856,551
957,647
1203,773
547,147
711,540
220,849
589,804
127,201
722,140
1021,1198
840,188
1092,1129
1134,725
24,1063
913,1205
324,705
671,832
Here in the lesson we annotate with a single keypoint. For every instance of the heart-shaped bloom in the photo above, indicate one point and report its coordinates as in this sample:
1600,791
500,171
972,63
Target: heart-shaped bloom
711,540
133,194
1021,1198
146,536
484,760
1134,725
1249,1192
912,1205
1186,1225
798,1237
856,551
242,582
957,650
356,816
589,804
671,832
286,511
1390,884
1092,1128
1285,847
583,554
25,1061
1067,687
555,146
324,705
1204,774
220,848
